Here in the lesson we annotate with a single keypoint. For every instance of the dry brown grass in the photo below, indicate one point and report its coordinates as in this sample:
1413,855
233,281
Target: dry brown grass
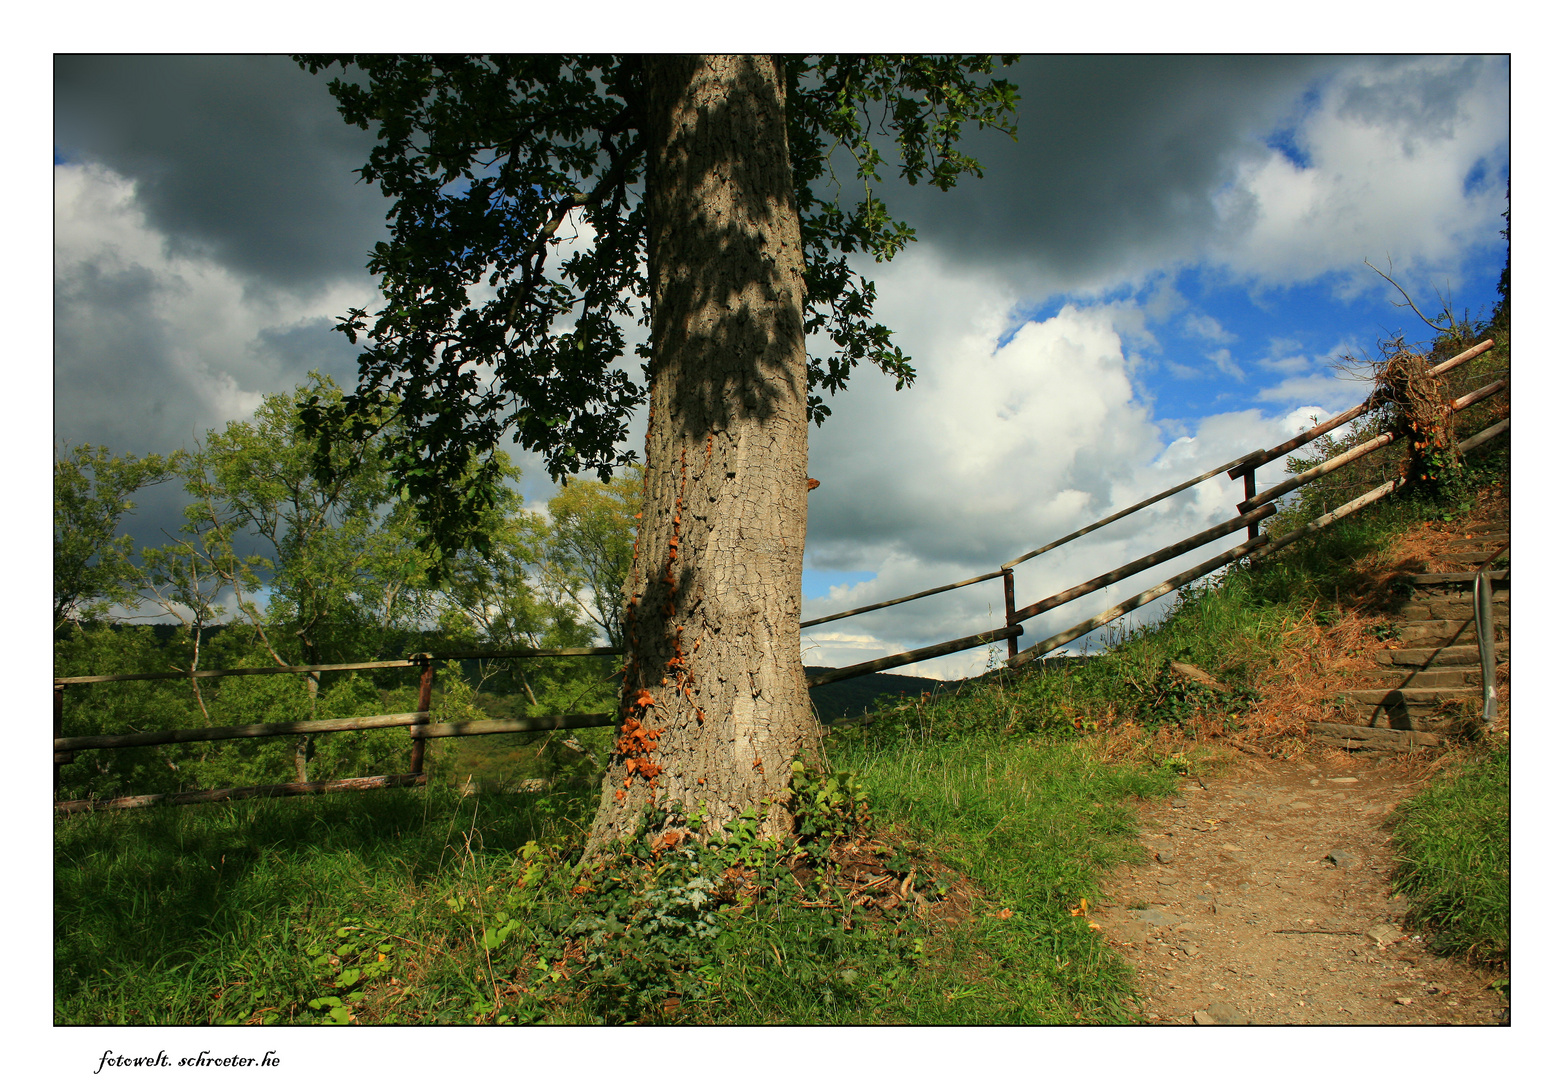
1322,655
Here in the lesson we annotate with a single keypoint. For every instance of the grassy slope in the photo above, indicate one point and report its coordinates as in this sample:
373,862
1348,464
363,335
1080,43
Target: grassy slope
236,914
432,908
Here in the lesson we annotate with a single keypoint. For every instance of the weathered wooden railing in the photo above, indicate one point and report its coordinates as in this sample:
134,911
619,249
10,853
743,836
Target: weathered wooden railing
417,723
1253,508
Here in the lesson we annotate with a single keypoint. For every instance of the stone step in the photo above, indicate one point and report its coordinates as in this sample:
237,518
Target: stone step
1435,718
1500,579
1418,678
1426,708
1433,633
1488,549
1411,695
1457,655
1473,558
1354,737
1422,609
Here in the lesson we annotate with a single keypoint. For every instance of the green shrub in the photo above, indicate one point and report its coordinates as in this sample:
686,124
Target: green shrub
1453,845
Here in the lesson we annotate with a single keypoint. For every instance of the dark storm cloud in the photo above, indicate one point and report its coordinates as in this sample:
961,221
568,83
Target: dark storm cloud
240,158
312,346
1116,165
111,369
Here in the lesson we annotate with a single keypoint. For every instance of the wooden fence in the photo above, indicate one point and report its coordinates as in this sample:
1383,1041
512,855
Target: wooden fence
417,723
1254,508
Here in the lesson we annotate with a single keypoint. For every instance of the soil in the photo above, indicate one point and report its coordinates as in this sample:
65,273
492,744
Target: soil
1240,915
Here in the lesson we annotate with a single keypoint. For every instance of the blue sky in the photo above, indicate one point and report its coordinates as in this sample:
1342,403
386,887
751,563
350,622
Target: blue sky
1238,348
1159,275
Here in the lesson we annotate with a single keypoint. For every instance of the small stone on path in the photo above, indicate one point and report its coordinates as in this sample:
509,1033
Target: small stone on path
1219,1012
1383,934
1341,859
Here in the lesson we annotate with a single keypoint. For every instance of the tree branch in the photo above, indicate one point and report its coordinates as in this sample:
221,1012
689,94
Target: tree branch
1431,325
610,181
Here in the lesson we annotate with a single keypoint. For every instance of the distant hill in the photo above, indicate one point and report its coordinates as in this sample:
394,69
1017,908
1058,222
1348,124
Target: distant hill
854,697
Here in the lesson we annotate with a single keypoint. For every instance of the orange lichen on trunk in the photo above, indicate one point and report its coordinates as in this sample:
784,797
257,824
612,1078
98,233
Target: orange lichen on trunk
636,744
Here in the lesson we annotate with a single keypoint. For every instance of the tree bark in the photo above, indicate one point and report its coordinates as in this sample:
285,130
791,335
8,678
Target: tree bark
714,707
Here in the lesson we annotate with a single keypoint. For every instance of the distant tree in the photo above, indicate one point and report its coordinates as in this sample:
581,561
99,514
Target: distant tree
589,544
498,601
93,570
687,187
338,559
178,577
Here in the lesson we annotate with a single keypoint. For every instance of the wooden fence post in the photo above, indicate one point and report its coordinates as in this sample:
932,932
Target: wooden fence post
425,693
59,733
1254,526
1246,468
1010,608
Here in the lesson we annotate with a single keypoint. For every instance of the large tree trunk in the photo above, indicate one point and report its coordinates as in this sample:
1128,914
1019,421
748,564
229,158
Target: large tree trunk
714,704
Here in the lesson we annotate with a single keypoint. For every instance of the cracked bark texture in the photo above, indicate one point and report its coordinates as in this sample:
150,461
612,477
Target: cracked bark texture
714,706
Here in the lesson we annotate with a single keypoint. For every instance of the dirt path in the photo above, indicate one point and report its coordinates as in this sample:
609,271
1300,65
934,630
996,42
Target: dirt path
1242,916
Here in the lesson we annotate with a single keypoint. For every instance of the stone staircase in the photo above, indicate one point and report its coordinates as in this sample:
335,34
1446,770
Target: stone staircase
1427,685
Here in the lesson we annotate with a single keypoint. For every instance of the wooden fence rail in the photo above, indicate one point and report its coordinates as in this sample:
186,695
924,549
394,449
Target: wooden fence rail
1254,508
187,798
1126,512
902,599
1141,599
1257,546
1373,401
368,665
1130,569
245,731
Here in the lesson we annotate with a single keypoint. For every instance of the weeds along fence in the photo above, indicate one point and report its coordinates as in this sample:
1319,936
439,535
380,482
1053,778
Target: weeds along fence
1255,507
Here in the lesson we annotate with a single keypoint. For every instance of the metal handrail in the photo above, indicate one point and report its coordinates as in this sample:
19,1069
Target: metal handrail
1482,617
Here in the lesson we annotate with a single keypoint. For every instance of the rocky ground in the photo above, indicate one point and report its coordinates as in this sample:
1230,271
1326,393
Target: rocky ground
1266,900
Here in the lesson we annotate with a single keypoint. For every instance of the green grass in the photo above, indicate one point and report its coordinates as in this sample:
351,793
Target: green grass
207,914
282,910
1453,846
1032,825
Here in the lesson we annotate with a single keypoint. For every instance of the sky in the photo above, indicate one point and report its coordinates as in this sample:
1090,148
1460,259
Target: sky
1161,274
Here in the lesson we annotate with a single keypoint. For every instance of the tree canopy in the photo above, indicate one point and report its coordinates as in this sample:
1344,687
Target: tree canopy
92,563
518,246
